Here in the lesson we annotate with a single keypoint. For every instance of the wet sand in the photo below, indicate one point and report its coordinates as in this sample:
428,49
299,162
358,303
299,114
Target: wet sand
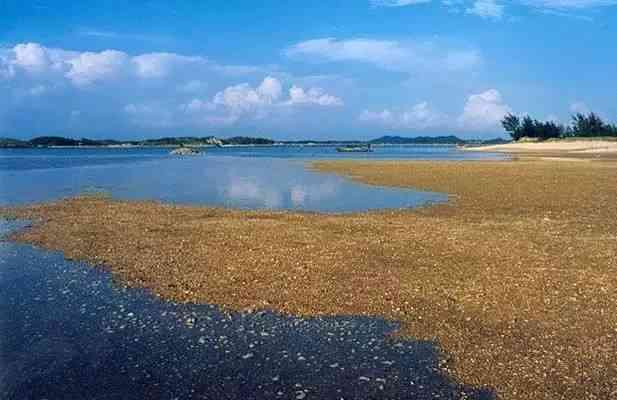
514,278
68,332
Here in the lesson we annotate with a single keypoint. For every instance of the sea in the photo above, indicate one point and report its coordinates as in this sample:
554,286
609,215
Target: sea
68,331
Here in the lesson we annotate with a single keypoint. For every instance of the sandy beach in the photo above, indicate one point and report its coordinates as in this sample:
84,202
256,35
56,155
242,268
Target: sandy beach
513,278
571,148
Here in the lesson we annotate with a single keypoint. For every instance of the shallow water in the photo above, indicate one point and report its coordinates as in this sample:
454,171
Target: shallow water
66,331
269,177
266,183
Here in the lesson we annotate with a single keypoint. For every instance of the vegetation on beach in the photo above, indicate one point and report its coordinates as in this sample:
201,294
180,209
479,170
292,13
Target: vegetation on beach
582,126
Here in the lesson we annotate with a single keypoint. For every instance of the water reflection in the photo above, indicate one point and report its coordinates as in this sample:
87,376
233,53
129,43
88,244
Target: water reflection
239,182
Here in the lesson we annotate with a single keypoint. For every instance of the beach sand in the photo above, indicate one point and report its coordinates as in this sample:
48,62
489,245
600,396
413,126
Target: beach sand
563,147
514,278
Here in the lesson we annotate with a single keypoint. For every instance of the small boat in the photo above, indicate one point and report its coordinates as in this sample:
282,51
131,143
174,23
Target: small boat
359,148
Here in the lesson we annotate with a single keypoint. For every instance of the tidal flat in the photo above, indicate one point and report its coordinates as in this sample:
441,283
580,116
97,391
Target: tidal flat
514,277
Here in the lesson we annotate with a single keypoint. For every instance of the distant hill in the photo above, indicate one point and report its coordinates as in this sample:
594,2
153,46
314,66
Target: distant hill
417,140
58,141
13,143
245,140
46,141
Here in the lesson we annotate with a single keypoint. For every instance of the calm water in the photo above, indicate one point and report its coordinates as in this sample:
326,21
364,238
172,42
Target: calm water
270,177
68,332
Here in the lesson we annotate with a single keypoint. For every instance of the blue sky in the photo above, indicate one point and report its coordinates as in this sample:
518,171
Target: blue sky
290,70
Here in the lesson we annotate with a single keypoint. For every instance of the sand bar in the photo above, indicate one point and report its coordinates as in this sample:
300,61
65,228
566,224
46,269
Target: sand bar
563,147
514,278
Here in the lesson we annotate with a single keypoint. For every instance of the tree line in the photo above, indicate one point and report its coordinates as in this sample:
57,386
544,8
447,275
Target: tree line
581,125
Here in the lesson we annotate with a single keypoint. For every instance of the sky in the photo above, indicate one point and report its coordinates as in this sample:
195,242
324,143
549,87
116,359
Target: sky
354,69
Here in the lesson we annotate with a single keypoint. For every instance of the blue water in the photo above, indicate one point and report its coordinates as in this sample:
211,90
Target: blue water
240,177
27,159
68,331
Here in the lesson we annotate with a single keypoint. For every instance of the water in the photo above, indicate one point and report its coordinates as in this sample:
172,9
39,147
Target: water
242,177
67,331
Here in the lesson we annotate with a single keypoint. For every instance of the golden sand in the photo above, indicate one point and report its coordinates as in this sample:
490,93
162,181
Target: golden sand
580,147
515,278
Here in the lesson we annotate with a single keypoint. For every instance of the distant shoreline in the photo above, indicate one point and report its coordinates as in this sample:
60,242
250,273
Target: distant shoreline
244,141
225,146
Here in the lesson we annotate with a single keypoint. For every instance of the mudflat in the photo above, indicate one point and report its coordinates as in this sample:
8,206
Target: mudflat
514,278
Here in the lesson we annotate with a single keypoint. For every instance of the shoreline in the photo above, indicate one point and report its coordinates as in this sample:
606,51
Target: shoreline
228,146
578,148
511,266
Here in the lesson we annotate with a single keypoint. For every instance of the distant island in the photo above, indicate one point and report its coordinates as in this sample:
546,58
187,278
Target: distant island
59,141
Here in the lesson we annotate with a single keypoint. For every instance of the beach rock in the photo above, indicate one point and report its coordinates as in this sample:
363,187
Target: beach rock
185,151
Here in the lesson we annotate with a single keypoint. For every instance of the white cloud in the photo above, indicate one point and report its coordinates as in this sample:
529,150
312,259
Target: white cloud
160,65
239,98
89,67
483,111
419,117
242,98
230,105
387,54
160,92
270,89
31,56
297,95
486,9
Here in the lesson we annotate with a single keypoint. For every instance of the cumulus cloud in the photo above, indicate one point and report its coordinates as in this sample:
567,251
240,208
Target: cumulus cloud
235,103
242,97
483,111
486,9
387,54
270,89
160,65
159,90
31,57
419,117
87,68
297,95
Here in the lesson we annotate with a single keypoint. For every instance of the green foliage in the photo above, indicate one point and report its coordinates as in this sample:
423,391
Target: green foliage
512,124
245,140
590,125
